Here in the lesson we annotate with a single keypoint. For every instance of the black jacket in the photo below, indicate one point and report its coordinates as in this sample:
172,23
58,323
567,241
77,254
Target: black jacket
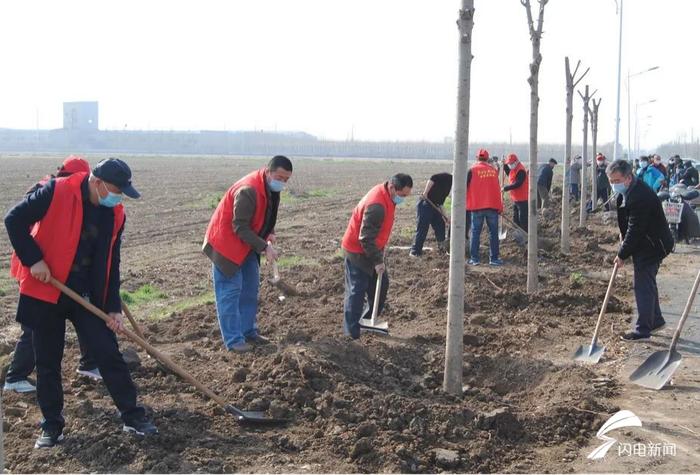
643,225
545,178
100,220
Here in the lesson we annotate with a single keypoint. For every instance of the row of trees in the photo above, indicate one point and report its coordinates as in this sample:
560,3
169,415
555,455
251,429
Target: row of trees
452,382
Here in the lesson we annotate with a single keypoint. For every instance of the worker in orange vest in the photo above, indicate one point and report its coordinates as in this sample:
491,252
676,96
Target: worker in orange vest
23,362
364,243
485,204
77,242
240,231
518,188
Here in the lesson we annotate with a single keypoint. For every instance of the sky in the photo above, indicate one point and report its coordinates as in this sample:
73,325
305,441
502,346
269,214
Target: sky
367,69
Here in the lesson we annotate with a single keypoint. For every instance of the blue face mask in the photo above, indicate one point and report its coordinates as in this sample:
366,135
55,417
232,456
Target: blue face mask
619,187
643,164
397,199
275,185
111,200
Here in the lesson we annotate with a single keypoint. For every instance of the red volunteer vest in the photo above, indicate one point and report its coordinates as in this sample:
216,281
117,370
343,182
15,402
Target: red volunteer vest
520,193
57,235
484,191
377,195
220,234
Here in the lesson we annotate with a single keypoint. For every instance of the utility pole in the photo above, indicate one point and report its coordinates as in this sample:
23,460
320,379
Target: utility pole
619,72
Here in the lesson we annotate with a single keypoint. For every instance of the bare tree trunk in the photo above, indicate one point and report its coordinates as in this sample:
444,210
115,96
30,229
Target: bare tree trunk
584,165
454,349
594,143
565,211
533,80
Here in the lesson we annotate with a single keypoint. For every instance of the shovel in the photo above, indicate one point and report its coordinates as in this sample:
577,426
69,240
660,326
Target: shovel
279,283
242,417
372,325
655,372
592,353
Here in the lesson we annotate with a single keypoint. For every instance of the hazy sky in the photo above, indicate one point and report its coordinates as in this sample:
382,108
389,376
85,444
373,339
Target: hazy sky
385,69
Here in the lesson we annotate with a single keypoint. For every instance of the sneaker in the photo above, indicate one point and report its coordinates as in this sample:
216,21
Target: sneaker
140,426
91,373
48,439
658,327
634,336
496,262
413,254
242,347
472,262
258,340
22,386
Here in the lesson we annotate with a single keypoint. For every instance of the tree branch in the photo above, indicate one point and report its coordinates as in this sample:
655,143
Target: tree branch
582,76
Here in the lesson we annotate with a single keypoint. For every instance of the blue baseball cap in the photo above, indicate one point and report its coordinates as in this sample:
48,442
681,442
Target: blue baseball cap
116,172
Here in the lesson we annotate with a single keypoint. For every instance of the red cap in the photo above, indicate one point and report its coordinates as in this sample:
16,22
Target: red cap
483,154
74,164
511,158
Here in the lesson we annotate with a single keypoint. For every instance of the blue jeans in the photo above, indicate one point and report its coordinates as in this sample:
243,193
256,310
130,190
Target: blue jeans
646,294
427,216
237,301
491,218
359,284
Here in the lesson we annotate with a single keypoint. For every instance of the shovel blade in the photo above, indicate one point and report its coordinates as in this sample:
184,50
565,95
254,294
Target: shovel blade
253,417
379,327
590,354
657,370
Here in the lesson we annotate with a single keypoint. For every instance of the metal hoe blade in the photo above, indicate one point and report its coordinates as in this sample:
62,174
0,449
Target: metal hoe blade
376,327
589,353
252,417
657,370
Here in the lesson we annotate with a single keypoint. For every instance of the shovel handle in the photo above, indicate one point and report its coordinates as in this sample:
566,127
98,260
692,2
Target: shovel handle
275,271
132,320
686,311
142,343
605,305
377,293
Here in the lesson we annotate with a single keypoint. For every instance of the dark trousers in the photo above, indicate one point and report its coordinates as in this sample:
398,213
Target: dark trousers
520,214
604,195
101,342
542,197
427,216
358,286
22,363
575,192
647,295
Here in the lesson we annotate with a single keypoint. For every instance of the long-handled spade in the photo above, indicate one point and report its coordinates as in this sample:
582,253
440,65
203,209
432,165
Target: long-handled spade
592,353
656,371
372,325
242,417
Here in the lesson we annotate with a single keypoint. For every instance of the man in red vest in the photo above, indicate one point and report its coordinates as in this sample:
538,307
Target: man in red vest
518,189
22,364
485,204
240,231
76,225
364,243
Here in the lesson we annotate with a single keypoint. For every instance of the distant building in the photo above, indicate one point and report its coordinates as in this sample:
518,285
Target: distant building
80,115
